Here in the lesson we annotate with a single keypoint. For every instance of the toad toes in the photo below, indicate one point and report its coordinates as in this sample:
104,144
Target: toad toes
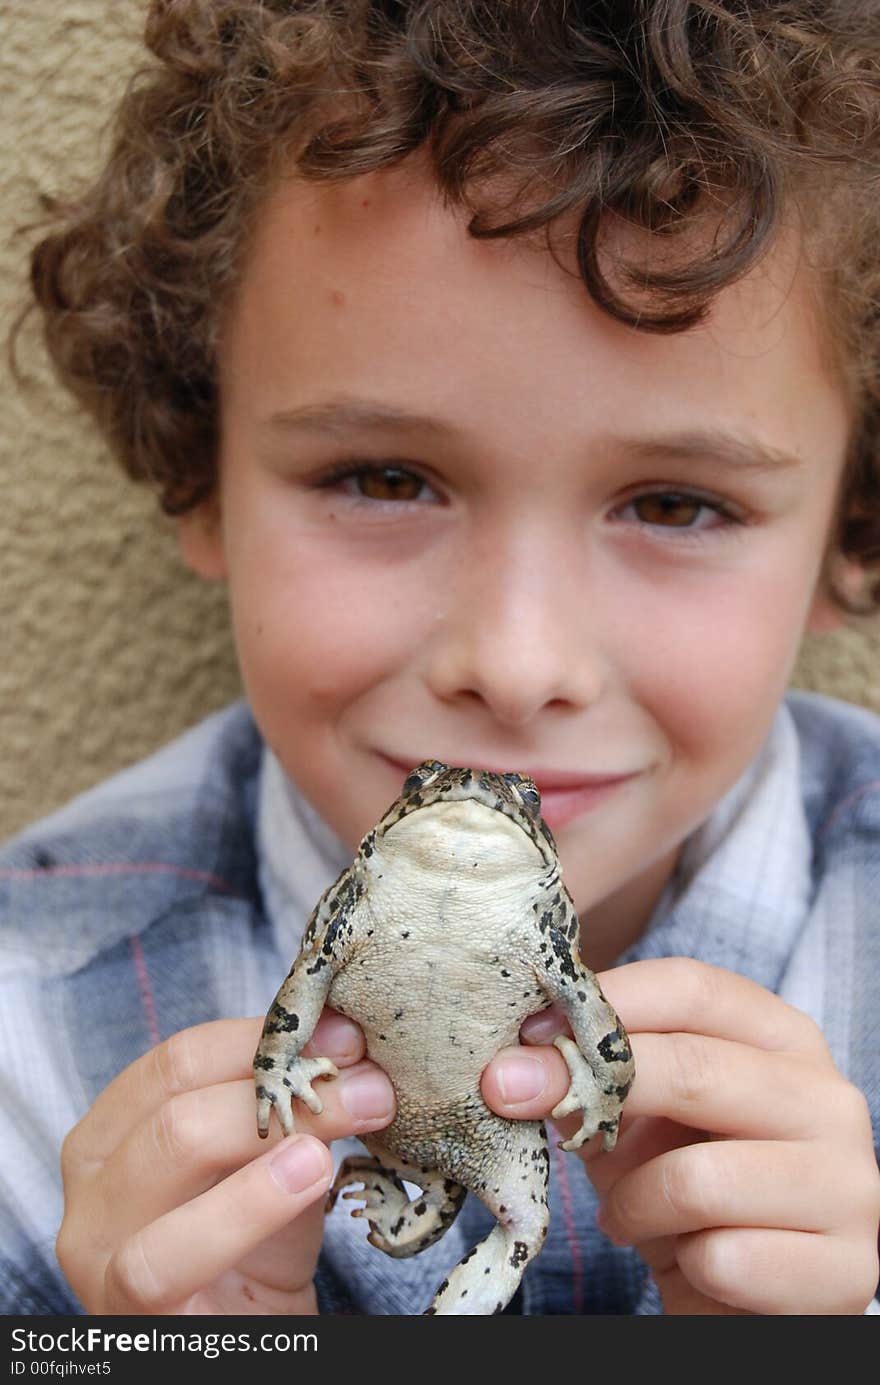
450,927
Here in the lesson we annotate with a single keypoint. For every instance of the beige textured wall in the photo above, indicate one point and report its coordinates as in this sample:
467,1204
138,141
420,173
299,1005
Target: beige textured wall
107,646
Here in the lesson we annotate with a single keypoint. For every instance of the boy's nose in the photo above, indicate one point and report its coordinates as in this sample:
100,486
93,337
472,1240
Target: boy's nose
519,634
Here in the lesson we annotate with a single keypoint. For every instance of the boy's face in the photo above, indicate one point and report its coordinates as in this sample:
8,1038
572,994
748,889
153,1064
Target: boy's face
466,516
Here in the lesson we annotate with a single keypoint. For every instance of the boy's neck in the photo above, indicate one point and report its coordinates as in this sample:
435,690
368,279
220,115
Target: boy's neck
612,926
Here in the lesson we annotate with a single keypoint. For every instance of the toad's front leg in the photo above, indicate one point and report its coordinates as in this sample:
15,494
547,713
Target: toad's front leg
599,1061
280,1072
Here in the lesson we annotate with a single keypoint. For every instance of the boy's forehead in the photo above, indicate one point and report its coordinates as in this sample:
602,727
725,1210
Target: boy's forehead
375,277
395,223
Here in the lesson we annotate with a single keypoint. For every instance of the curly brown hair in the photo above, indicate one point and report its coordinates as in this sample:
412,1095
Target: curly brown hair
646,110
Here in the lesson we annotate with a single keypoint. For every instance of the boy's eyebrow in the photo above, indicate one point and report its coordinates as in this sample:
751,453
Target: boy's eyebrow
744,453
343,414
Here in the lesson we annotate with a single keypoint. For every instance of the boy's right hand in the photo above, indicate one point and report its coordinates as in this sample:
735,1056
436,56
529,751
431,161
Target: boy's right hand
173,1204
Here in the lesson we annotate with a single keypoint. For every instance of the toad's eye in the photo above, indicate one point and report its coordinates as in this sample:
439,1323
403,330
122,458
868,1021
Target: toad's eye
422,775
525,791
531,801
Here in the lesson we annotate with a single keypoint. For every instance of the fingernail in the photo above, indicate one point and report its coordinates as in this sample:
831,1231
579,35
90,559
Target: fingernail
520,1078
296,1166
542,1029
366,1095
335,1036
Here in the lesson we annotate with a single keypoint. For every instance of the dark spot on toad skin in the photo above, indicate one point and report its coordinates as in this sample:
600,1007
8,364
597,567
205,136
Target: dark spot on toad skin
614,1048
420,1208
563,952
331,934
321,962
405,935
396,1229
520,1254
470,1255
621,1091
263,1064
581,995
282,1021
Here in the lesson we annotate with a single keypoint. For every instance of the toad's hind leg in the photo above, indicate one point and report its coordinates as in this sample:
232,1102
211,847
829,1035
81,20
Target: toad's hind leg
399,1225
489,1275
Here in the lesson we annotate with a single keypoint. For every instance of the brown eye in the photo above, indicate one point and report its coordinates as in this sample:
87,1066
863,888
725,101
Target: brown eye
669,508
389,483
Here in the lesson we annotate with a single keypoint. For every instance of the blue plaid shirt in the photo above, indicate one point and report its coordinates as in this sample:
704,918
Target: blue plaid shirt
176,893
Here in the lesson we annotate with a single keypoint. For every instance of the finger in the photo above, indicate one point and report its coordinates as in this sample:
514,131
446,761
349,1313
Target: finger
641,1140
708,1084
728,1088
757,1183
677,994
176,1255
525,1083
197,1137
678,1294
200,1056
771,1271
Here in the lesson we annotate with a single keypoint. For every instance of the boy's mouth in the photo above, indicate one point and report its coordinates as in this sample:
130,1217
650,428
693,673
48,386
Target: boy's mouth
565,794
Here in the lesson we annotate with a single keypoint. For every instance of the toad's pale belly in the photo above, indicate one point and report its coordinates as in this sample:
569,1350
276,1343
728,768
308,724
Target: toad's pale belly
434,996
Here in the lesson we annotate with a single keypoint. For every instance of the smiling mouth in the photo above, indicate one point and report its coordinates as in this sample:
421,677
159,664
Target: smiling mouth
565,795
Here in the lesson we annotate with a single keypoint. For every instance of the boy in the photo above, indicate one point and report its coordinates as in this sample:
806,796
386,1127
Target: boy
560,507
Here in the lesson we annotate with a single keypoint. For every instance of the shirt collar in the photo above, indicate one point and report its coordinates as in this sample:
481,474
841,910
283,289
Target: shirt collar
299,855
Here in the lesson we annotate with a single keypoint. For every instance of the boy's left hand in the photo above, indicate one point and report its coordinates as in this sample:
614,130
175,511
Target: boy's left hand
744,1173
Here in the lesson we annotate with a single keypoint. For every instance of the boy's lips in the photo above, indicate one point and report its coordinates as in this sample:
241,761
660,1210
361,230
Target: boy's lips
565,794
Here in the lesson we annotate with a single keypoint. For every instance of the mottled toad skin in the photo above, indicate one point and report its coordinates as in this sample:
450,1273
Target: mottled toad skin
450,927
